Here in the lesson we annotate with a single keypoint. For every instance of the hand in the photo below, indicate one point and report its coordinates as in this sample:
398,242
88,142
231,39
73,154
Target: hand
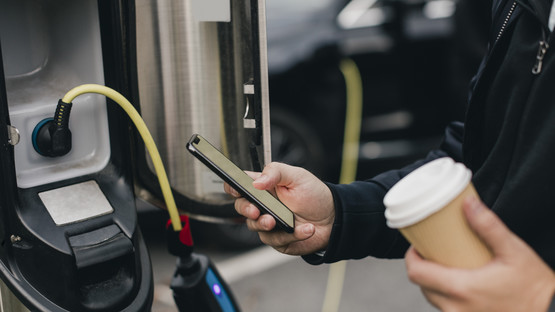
515,280
304,194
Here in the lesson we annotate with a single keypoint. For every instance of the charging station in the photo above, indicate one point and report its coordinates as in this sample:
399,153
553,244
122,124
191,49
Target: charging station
206,61
69,237
70,240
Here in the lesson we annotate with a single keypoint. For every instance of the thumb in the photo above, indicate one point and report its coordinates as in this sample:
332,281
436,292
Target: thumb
275,174
487,225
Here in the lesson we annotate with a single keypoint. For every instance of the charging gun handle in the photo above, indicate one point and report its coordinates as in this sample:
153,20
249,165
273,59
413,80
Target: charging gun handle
198,286
196,283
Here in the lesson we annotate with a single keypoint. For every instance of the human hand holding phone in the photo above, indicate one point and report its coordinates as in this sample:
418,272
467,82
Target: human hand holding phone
307,196
241,182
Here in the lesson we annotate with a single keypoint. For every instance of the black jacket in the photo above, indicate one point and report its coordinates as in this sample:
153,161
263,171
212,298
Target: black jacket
508,141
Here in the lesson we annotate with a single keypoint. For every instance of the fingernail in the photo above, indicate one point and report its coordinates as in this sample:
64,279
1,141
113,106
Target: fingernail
308,229
249,211
261,179
265,223
474,204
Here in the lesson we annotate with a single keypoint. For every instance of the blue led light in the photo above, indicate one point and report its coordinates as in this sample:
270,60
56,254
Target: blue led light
217,289
220,293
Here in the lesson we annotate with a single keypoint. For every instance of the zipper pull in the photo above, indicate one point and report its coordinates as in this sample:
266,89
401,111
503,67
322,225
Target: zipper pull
539,57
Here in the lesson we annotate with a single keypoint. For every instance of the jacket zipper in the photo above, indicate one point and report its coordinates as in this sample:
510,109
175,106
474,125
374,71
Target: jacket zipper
511,10
543,45
539,57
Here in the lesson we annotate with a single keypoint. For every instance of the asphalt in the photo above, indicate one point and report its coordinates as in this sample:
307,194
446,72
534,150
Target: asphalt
263,280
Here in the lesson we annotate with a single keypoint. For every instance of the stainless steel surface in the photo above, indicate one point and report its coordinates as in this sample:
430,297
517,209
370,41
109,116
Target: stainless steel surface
191,75
264,84
8,301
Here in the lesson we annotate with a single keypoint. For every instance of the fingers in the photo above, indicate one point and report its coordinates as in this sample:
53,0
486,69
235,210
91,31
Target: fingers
246,209
276,174
231,191
436,299
286,243
430,275
255,220
489,227
264,223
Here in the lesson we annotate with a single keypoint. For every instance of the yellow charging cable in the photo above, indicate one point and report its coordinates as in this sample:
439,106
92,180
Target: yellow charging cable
353,121
349,163
145,134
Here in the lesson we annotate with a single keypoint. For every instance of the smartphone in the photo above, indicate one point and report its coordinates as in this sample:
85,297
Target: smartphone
240,181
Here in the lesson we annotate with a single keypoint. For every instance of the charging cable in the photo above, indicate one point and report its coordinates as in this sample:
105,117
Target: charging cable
196,284
349,163
353,121
146,136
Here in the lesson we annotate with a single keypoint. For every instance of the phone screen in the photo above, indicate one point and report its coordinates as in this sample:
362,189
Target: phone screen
240,181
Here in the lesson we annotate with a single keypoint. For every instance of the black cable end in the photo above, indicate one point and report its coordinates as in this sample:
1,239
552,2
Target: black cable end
52,137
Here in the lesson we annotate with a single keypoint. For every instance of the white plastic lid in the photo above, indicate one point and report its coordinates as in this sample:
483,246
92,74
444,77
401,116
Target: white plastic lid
425,191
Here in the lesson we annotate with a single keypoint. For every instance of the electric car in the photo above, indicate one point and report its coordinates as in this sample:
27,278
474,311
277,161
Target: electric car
403,51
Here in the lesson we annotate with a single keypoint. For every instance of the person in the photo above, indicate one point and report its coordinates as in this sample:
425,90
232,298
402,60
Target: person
468,44
507,140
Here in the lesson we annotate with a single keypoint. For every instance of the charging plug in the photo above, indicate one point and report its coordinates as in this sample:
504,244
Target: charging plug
52,137
196,283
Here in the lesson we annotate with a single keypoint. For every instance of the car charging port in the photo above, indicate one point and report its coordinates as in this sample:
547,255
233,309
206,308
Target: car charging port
52,137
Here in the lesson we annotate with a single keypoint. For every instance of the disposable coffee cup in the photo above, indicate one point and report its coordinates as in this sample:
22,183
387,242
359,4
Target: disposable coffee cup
426,207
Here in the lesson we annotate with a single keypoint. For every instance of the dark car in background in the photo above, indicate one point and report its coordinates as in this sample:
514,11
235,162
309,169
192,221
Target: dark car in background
403,50
414,65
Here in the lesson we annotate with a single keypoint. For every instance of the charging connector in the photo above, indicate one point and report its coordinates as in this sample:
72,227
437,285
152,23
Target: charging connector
196,283
52,137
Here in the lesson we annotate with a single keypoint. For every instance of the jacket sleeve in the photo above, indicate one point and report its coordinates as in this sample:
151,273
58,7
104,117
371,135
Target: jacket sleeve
359,228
